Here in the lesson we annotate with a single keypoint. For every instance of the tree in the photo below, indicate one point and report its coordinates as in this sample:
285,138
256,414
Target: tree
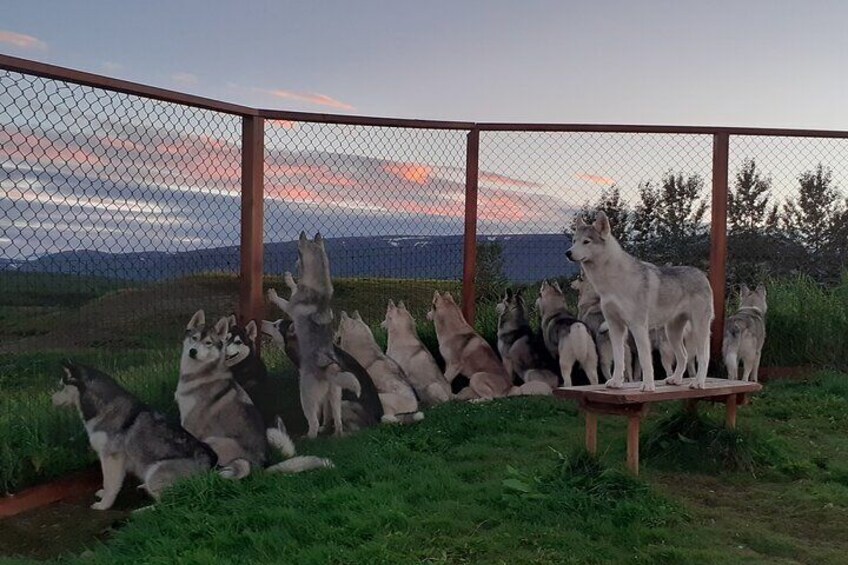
616,209
490,280
646,216
748,204
813,217
680,213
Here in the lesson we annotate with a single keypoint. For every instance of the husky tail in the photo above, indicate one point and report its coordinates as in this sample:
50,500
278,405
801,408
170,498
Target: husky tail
345,380
279,439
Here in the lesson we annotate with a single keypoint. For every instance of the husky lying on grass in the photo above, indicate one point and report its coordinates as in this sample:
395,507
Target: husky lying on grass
128,436
309,309
405,347
217,411
639,296
357,413
524,355
400,404
745,334
566,337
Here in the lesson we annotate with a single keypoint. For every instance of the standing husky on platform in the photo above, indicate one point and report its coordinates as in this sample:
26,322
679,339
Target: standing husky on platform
400,404
639,296
524,354
217,411
405,347
745,334
128,436
566,337
309,309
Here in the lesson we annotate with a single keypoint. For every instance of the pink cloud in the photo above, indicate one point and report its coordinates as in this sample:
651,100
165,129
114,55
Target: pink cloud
596,179
311,98
22,41
412,172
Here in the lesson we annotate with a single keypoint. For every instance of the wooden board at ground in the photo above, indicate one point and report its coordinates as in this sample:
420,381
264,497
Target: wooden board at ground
630,393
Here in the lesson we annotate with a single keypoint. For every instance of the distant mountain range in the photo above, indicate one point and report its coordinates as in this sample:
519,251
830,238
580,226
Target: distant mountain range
526,258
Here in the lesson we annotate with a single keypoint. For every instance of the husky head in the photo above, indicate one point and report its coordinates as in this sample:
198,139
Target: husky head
353,331
203,347
73,384
398,318
313,266
512,308
241,342
550,298
282,335
753,299
590,240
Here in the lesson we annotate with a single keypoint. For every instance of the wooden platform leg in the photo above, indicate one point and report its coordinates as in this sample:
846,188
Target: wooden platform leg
592,433
633,443
730,419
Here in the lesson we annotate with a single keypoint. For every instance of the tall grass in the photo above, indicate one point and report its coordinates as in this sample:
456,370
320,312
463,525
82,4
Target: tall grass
806,324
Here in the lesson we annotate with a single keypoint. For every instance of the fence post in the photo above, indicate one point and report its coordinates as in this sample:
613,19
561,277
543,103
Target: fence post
469,255
718,239
251,304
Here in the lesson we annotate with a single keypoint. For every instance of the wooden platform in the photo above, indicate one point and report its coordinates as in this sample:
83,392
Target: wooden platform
631,402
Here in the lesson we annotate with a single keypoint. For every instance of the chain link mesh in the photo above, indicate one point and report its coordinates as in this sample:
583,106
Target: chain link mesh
787,208
389,201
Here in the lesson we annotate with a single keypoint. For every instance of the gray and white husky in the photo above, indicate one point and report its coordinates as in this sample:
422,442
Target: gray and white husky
745,334
589,312
129,436
217,411
639,296
523,353
359,412
400,403
309,308
405,347
566,337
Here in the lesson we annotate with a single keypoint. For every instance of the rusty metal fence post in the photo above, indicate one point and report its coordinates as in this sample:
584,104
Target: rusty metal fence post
469,255
718,239
252,188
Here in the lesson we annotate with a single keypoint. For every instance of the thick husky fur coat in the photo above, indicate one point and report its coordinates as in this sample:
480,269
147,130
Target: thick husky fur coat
745,334
567,338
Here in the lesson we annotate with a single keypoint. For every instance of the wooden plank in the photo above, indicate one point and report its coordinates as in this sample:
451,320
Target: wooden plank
630,393
48,493
251,303
591,432
469,255
718,239
633,444
730,417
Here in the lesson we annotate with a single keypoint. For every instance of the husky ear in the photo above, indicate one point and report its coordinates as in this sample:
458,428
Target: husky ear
401,305
197,321
744,291
269,328
356,315
580,222
319,239
222,327
303,237
436,295
343,315
556,287
602,224
71,372
251,331
761,290
449,296
391,305
509,293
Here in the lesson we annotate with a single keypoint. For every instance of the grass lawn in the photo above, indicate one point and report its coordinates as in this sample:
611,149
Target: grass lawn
503,482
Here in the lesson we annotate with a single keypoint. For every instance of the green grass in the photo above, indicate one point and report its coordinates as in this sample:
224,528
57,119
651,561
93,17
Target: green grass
504,482
807,324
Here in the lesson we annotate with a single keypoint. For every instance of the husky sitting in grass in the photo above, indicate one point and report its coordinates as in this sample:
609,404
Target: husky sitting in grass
745,334
249,371
405,347
523,353
129,436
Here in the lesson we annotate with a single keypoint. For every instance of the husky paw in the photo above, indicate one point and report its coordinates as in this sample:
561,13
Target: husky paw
272,295
289,280
100,493
100,506
672,381
696,384
612,383
648,387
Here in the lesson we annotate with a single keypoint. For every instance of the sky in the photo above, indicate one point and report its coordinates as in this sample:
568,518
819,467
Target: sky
753,63
84,169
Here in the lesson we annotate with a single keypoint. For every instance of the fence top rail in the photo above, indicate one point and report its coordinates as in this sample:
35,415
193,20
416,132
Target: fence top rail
26,66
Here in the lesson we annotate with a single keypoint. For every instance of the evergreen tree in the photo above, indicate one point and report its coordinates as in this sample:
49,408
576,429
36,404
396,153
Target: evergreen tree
616,209
680,212
490,280
748,204
812,218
